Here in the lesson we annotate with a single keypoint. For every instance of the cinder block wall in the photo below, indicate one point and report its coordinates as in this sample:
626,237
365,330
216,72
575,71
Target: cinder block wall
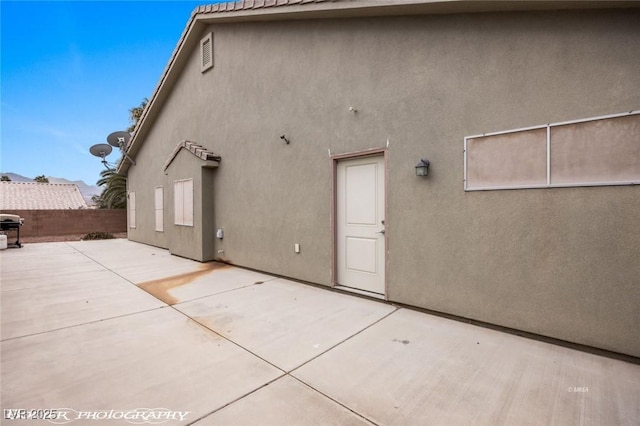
45,223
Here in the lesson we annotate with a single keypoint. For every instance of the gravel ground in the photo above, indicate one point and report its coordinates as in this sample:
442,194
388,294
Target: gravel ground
55,238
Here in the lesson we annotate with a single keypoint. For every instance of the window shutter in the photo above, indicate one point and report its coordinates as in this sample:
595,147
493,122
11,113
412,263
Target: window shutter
159,209
178,197
188,202
132,209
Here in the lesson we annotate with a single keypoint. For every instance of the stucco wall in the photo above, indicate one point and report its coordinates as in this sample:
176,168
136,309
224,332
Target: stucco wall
558,262
143,180
47,223
208,222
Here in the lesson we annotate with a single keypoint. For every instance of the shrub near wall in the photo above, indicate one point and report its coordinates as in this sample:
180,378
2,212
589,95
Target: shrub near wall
45,223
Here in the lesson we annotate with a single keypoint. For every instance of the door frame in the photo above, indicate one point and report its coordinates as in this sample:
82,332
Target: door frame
335,159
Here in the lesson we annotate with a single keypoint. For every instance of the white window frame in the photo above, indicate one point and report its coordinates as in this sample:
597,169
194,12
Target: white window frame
159,208
132,209
548,184
183,202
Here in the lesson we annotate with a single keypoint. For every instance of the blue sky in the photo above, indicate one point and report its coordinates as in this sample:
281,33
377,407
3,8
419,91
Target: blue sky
70,72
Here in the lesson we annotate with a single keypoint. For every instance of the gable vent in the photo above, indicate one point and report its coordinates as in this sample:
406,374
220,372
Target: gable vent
206,52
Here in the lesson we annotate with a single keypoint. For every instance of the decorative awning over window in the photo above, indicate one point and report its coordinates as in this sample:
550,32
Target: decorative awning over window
211,159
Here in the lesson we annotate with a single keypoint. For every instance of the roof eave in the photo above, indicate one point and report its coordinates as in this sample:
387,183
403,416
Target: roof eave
265,10
169,75
203,16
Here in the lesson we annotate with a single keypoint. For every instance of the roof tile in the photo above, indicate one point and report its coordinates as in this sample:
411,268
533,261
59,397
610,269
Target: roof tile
252,5
194,148
40,196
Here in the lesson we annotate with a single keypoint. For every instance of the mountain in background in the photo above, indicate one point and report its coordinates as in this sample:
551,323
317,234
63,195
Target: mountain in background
87,191
16,177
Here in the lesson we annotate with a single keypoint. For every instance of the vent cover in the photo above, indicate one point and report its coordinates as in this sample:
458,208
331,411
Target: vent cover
206,52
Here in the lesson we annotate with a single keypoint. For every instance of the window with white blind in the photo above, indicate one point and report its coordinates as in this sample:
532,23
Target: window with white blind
132,209
183,202
159,209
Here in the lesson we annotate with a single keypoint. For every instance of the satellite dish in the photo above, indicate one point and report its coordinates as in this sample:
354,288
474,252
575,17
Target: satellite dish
119,139
100,150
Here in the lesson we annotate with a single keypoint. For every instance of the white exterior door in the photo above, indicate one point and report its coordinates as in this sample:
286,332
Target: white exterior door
360,217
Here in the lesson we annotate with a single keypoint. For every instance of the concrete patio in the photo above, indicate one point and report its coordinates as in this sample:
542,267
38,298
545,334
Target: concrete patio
95,326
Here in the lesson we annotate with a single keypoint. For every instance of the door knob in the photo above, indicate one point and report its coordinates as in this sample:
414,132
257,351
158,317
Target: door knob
380,232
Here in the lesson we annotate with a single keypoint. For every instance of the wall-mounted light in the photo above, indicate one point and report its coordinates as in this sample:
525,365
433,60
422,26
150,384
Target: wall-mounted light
422,168
352,109
284,138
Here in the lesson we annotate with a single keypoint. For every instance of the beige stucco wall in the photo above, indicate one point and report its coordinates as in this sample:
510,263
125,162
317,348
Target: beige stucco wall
558,262
194,242
185,241
142,179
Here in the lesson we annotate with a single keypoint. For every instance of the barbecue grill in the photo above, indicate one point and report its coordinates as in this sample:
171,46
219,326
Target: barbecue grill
11,222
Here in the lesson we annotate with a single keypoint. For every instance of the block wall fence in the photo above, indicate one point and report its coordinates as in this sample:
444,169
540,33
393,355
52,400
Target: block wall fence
45,223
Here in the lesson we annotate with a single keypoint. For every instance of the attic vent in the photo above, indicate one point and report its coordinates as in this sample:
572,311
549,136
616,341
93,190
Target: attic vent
206,52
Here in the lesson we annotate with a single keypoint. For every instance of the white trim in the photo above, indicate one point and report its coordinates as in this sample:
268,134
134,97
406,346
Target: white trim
335,159
557,185
617,183
464,154
560,123
159,208
492,188
548,155
506,132
602,117
131,207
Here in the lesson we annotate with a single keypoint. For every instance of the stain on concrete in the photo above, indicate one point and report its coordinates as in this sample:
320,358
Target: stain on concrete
160,287
222,326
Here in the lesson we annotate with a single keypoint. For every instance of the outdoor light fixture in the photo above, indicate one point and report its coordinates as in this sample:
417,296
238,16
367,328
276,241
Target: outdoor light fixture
422,168
284,138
